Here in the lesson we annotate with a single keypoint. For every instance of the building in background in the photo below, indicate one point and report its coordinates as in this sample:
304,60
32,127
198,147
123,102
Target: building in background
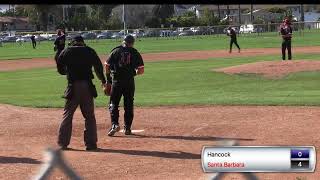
15,24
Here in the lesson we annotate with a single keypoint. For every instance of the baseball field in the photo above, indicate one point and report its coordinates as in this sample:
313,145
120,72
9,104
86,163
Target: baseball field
193,93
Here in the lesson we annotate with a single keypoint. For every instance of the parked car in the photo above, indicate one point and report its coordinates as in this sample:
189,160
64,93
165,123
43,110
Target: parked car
89,35
152,33
105,35
70,36
117,35
201,30
53,37
186,33
40,38
236,29
248,28
128,31
181,29
138,33
9,39
22,39
165,33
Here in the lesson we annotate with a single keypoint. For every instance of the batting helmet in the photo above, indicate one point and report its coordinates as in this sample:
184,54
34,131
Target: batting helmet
129,39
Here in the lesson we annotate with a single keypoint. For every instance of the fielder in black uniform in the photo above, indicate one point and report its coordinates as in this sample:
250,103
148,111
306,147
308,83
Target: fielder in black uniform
233,38
33,40
123,64
59,43
286,32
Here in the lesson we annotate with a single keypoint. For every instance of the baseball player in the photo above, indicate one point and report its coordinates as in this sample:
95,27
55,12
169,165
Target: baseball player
59,43
76,62
122,65
233,38
33,41
286,32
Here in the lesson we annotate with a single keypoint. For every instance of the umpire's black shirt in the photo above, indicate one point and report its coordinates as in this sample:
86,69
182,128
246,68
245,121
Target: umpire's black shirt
123,62
76,62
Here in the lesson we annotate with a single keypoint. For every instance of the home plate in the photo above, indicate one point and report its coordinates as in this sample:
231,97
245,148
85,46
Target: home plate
134,131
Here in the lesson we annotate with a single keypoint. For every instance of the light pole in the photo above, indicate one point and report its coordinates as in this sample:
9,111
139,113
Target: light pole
124,19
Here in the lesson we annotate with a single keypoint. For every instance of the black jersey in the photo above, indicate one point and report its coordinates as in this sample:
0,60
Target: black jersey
123,62
286,32
60,42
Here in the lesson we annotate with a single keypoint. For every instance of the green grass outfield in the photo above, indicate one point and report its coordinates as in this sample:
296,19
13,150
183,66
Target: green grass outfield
176,83
148,45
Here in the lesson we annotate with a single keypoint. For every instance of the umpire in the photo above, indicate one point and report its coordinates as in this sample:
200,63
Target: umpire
233,38
123,64
286,32
76,62
59,43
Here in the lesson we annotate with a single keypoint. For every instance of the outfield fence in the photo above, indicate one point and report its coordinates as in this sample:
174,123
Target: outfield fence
270,29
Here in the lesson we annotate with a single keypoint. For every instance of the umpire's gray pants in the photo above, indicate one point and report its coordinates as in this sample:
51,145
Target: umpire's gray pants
80,96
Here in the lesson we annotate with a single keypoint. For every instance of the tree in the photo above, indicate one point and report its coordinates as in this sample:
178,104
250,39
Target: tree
43,13
277,10
20,11
38,14
154,22
163,11
208,18
101,12
114,23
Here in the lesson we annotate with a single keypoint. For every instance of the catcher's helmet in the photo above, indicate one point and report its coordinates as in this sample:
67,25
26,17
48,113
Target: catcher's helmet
129,39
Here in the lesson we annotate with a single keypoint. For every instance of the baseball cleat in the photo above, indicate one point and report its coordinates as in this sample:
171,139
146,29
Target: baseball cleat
115,128
127,131
64,148
92,148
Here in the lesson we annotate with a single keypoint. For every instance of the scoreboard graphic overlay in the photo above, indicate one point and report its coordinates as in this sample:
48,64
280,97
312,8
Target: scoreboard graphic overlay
258,159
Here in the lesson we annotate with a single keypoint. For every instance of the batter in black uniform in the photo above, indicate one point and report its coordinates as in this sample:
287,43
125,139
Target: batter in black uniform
33,40
233,38
286,32
59,43
123,64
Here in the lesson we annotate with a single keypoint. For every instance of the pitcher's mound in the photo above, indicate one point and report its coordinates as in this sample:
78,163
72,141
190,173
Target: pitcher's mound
272,69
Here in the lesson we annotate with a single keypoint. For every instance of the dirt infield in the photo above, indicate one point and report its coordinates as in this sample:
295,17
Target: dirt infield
9,65
170,141
272,69
168,148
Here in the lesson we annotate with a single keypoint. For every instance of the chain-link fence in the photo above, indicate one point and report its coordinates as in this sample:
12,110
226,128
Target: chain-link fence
270,29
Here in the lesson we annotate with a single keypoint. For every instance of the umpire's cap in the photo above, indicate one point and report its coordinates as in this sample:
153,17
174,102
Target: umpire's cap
78,39
129,39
